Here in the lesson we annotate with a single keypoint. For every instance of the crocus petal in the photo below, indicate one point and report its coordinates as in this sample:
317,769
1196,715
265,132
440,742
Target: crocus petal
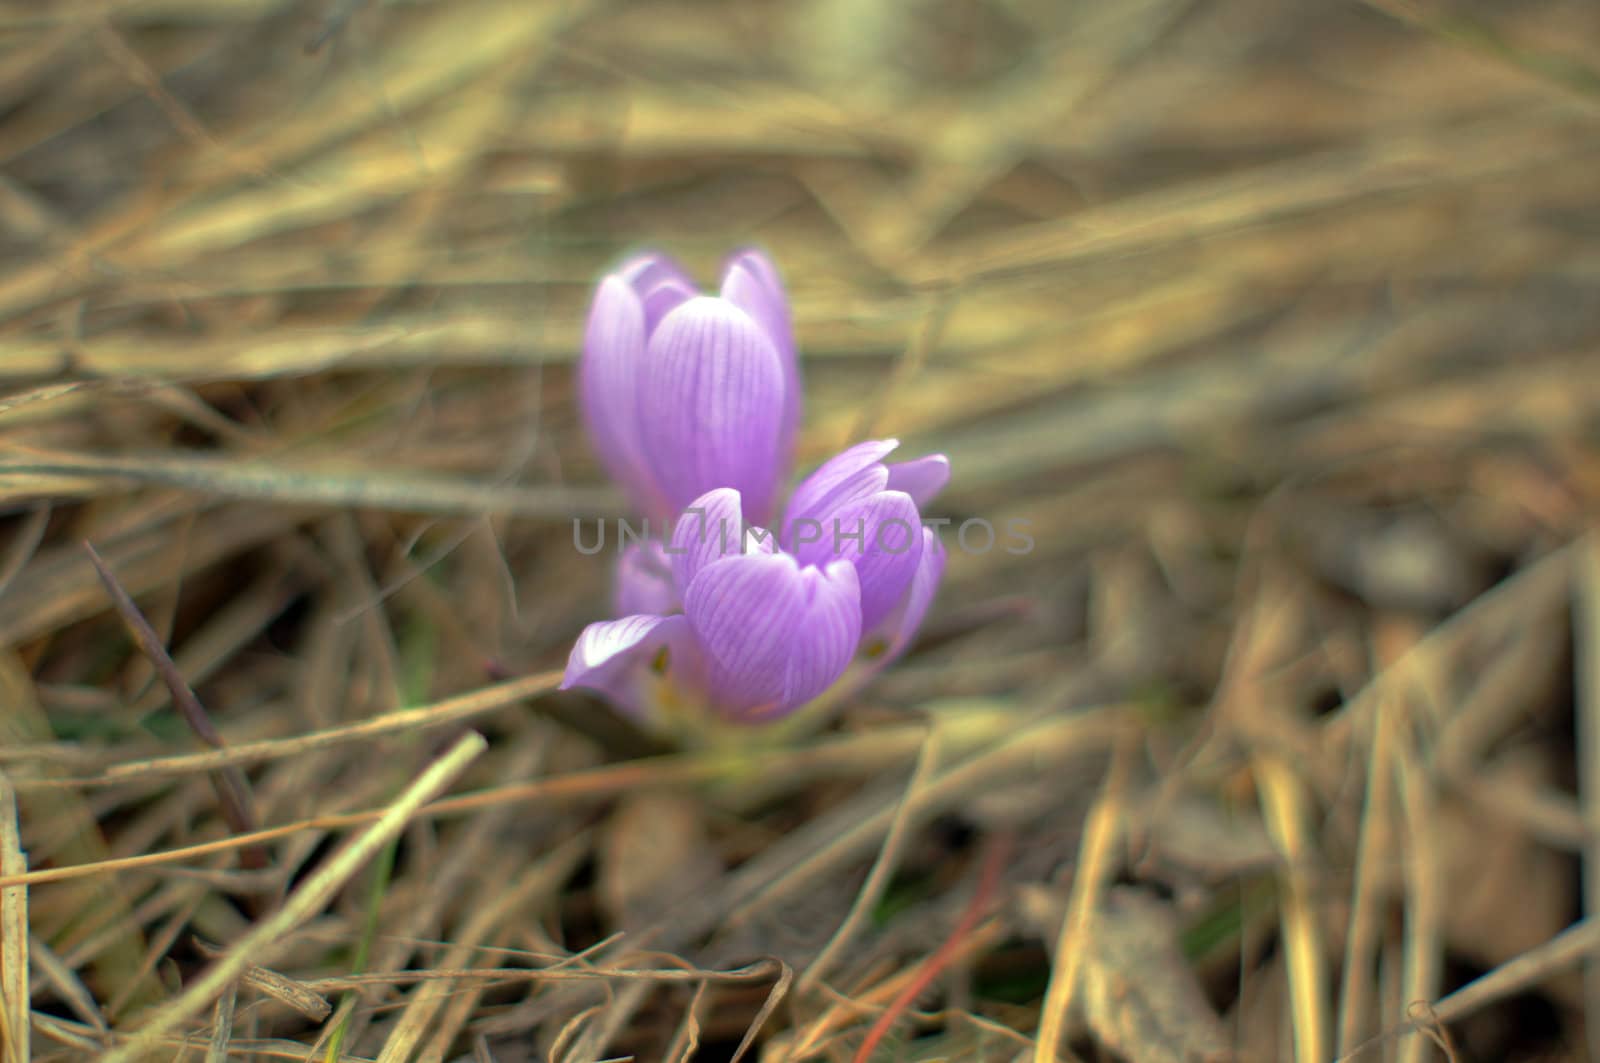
760,267
710,401
922,478
644,581
750,282
898,629
626,659
825,641
882,536
883,644
662,300
645,271
774,635
613,353
846,477
660,283
711,528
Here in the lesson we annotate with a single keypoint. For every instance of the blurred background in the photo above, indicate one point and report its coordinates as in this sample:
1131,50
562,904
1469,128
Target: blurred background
1278,322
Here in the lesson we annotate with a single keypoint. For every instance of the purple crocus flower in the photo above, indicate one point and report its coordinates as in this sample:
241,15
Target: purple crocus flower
766,628
684,392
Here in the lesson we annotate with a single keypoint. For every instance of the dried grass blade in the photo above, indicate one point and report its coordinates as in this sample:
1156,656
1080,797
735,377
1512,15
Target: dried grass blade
878,878
1288,818
1376,844
282,483
1586,637
311,897
1101,831
1424,953
222,1032
14,997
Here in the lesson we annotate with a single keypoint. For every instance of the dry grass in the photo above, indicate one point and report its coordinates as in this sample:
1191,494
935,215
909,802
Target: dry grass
1278,322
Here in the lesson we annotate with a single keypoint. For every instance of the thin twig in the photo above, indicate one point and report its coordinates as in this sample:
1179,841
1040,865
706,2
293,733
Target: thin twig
233,792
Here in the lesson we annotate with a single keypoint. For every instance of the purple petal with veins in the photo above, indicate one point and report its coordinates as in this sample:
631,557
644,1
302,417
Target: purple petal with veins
613,355
711,528
652,268
644,581
773,635
881,535
624,659
847,477
900,626
921,478
750,282
710,399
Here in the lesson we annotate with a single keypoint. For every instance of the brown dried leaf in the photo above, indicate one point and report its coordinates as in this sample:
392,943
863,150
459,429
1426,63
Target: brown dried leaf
654,855
1508,892
1195,835
1138,995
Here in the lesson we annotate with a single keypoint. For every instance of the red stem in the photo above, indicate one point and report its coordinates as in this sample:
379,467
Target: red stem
994,861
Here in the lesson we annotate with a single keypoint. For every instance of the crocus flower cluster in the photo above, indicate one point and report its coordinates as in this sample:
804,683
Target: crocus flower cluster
692,403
